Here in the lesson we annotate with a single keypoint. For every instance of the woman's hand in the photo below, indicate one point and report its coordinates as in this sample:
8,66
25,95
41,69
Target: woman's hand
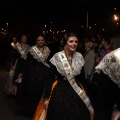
115,115
46,103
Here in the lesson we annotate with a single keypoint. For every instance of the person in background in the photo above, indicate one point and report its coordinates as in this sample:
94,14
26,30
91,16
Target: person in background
101,48
19,58
34,75
65,97
10,54
107,73
14,42
89,68
107,50
89,57
10,88
21,49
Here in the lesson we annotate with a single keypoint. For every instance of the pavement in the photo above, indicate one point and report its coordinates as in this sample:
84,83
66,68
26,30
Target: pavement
8,108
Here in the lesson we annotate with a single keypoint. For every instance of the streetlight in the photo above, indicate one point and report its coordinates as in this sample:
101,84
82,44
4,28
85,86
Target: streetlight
116,18
45,28
7,25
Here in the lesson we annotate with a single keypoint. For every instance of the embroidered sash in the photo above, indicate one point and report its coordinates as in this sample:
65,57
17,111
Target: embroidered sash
40,55
20,49
71,79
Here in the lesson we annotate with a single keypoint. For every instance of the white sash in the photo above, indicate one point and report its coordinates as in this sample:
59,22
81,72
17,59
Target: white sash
42,117
40,55
71,79
20,49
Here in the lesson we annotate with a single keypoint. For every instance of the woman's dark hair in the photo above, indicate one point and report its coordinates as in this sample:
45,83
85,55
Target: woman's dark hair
41,35
20,37
66,36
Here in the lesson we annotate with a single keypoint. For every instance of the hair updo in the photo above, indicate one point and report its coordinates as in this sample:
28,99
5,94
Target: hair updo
66,37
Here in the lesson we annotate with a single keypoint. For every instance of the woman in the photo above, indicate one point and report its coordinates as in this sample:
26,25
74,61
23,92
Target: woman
107,74
89,57
20,54
68,99
19,58
10,88
14,42
10,54
107,49
34,75
21,49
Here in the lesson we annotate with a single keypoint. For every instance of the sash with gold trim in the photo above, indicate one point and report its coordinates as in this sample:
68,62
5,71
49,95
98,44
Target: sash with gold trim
69,74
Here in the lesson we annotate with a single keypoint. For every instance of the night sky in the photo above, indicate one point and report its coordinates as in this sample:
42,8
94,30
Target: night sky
23,15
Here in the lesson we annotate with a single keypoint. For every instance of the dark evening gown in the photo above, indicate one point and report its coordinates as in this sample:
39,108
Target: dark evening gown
32,86
65,104
15,57
107,94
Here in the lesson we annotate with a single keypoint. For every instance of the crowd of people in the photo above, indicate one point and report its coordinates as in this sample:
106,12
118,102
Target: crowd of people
80,80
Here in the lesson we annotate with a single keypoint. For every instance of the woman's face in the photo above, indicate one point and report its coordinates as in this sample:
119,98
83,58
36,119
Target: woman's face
40,41
14,39
103,42
71,44
87,48
24,39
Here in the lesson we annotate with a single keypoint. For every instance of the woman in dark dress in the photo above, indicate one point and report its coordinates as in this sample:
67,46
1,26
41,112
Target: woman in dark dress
10,88
19,58
68,99
19,55
34,75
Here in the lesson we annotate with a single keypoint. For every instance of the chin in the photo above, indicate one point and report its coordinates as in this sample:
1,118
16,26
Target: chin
73,50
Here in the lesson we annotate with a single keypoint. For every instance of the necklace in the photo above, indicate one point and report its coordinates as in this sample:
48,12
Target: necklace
69,61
